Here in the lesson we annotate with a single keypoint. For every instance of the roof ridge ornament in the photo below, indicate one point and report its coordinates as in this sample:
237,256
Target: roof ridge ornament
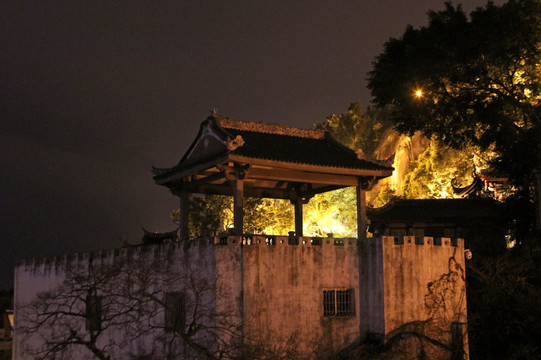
235,143
388,161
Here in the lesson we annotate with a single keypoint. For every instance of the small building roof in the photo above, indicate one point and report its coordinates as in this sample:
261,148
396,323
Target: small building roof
150,237
277,160
435,210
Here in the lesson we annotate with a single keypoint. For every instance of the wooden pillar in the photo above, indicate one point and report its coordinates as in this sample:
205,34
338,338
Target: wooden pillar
238,207
184,216
361,213
298,216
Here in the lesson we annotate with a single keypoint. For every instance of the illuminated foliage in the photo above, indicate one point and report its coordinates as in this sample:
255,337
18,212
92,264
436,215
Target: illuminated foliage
357,129
213,215
335,212
332,212
431,175
209,215
268,216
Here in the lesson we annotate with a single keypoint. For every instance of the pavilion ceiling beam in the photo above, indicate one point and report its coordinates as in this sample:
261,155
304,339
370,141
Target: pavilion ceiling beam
257,192
302,177
309,167
205,180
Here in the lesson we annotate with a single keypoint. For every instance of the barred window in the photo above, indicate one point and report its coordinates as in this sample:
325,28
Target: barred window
338,302
93,313
175,311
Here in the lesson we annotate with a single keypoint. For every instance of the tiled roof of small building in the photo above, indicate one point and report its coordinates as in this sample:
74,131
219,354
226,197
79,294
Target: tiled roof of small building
436,209
288,144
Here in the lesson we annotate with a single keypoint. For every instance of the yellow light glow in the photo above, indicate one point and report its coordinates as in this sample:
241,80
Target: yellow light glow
418,93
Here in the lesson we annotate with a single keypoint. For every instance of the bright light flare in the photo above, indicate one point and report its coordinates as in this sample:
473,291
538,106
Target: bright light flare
418,93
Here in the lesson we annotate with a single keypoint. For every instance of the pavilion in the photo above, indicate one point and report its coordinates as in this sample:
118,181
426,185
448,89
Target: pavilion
254,159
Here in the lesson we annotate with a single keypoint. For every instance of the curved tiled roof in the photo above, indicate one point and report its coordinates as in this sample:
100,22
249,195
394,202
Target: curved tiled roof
271,142
300,150
436,209
282,143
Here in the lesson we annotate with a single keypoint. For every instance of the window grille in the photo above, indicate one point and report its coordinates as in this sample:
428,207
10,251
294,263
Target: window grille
175,311
338,302
93,312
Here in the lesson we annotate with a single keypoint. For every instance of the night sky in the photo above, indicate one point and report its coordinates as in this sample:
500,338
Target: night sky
93,93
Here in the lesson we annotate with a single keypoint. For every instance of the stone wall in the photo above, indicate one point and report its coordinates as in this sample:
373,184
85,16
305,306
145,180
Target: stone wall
283,290
162,268
270,289
415,286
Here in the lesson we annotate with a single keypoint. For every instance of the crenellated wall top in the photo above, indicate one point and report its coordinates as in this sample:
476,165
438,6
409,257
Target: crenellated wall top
103,256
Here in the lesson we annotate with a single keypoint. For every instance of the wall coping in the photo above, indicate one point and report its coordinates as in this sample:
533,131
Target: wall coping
246,240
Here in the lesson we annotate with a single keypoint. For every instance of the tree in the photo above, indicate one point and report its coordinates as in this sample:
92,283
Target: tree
209,215
73,315
213,215
475,83
470,82
150,302
103,309
332,212
357,129
504,305
371,131
268,216
431,175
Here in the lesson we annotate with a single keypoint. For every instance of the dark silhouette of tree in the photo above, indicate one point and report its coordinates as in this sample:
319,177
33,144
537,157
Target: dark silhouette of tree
470,82
437,336
142,307
106,308
73,315
504,304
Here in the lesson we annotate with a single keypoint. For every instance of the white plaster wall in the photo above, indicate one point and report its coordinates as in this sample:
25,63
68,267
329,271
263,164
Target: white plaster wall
283,292
409,269
32,277
178,262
